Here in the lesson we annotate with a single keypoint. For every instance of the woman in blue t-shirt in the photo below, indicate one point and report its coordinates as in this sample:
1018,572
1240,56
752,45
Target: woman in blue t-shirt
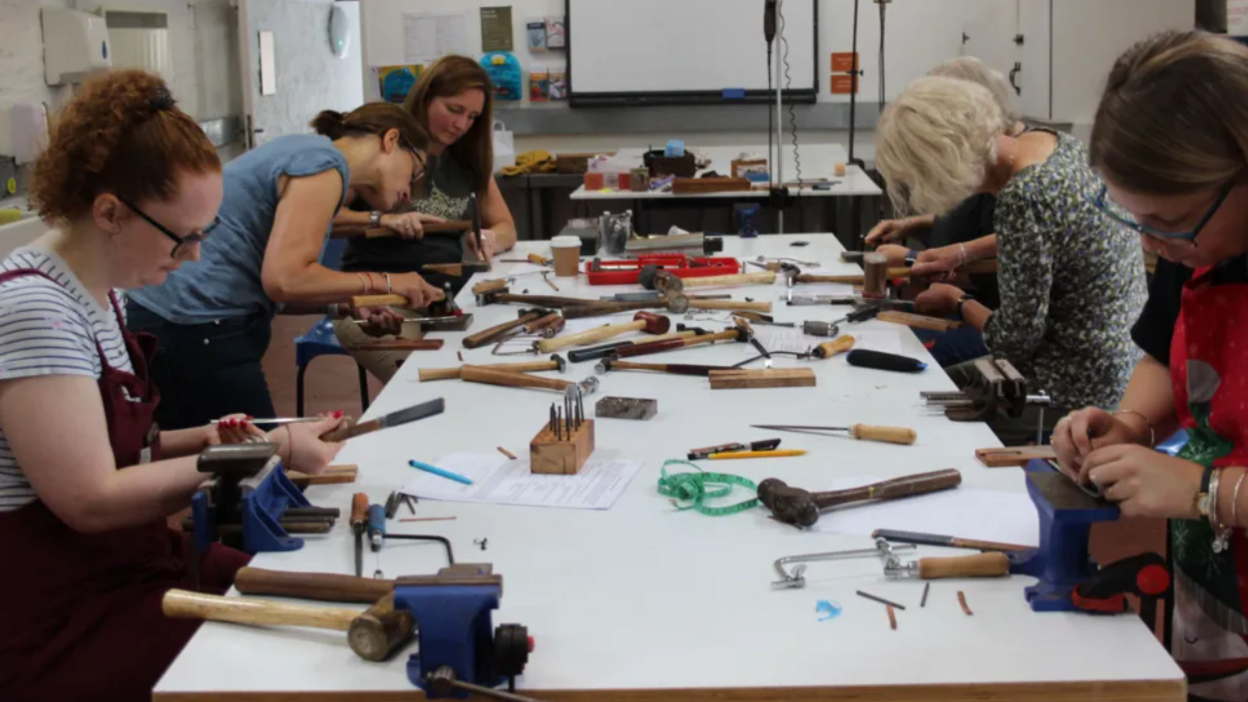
212,317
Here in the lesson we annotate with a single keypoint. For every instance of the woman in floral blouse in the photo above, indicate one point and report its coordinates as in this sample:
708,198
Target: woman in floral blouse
1071,276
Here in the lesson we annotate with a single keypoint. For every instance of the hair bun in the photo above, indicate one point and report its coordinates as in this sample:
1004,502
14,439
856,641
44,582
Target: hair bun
161,99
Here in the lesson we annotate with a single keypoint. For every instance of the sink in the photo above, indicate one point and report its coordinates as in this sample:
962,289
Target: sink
21,232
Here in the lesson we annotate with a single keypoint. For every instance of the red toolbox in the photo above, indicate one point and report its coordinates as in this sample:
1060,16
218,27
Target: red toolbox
627,272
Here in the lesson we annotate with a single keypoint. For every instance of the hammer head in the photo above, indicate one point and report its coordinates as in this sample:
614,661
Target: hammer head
788,504
380,630
655,323
677,303
560,364
603,366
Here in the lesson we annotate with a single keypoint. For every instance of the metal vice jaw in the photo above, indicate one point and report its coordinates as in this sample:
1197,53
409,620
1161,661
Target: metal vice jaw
459,653
998,387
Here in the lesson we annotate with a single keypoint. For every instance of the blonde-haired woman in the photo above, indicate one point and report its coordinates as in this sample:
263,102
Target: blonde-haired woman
1171,140
1071,276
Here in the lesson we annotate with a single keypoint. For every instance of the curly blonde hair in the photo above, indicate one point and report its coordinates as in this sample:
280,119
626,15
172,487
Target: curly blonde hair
935,143
124,134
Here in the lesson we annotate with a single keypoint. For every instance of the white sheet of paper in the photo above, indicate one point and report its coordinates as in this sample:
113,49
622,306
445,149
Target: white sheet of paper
883,340
988,515
430,36
813,289
499,480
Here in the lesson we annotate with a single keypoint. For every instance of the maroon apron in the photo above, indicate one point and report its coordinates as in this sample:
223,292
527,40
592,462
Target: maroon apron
80,614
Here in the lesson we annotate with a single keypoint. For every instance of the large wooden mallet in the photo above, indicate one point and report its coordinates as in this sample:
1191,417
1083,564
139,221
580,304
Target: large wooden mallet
647,322
801,508
373,634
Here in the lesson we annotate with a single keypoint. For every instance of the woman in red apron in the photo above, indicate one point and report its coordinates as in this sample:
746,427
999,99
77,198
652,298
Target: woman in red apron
1171,141
83,536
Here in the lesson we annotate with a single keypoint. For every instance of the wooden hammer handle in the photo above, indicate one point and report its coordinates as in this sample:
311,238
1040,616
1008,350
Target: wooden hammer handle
591,336
889,435
766,278
491,376
489,286
671,344
328,587
982,565
918,321
333,475
380,301
696,304
828,349
599,309
181,604
482,338
428,374
919,484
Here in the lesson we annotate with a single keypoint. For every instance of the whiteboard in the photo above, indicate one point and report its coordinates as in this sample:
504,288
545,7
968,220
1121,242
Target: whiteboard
673,51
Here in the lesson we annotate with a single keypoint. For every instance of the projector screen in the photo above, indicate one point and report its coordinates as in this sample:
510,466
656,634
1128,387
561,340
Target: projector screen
711,51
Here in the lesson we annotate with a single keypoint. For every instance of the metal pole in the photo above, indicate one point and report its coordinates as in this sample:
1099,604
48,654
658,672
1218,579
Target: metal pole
779,109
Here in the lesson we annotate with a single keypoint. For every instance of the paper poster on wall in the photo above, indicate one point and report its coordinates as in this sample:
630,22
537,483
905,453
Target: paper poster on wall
1237,18
535,32
395,82
556,33
539,84
558,83
427,37
496,34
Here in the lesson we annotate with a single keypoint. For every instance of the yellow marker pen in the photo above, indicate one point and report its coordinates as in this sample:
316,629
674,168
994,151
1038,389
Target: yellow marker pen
754,454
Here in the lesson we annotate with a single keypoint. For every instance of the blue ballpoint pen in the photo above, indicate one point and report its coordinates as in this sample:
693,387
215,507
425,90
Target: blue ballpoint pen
440,472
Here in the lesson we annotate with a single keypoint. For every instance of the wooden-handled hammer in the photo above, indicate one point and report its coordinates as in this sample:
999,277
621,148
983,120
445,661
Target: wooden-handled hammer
556,363
373,634
647,322
610,364
491,376
739,334
801,508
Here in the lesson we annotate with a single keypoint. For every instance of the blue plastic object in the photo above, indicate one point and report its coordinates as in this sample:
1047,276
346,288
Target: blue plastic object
675,149
455,630
1062,561
745,221
376,526
734,93
505,75
264,499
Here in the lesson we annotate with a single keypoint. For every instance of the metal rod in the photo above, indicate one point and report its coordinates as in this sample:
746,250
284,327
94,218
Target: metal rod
491,692
879,599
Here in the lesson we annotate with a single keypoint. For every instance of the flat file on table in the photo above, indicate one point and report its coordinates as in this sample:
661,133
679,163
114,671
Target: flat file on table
500,480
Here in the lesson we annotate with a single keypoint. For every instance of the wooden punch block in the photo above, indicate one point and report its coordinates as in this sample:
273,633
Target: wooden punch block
770,378
563,453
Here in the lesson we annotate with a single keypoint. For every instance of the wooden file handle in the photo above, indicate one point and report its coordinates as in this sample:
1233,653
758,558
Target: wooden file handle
766,278
380,301
482,338
696,304
428,374
491,376
918,321
670,344
890,435
840,344
919,484
350,431
539,259
592,336
982,565
181,604
327,587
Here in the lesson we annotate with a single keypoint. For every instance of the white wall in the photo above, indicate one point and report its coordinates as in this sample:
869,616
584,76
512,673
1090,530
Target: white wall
205,77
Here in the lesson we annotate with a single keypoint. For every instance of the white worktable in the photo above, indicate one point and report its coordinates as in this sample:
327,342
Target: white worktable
642,602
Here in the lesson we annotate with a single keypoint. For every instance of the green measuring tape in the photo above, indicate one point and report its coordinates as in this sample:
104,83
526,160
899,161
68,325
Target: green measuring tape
693,490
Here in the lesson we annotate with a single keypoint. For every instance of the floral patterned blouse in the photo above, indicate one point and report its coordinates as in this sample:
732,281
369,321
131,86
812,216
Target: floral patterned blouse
1072,283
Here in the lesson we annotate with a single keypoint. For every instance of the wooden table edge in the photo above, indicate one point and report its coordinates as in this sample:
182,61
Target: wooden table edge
1113,691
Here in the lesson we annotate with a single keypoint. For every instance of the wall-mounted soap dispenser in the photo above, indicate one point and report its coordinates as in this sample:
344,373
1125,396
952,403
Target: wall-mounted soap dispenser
75,44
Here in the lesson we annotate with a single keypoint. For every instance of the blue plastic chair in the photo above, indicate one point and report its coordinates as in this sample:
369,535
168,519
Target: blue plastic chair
320,339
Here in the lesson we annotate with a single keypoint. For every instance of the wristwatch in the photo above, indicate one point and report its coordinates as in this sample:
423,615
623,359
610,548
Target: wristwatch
961,300
374,218
1204,501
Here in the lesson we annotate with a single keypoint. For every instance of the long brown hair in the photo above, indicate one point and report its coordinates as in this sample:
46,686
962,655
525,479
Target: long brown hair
123,134
1174,116
447,77
375,118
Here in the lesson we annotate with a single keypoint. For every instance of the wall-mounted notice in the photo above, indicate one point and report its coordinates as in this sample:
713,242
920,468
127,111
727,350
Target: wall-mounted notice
1237,18
496,34
427,37
556,33
535,31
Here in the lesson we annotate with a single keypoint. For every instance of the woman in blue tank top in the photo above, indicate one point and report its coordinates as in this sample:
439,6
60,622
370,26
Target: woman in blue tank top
212,317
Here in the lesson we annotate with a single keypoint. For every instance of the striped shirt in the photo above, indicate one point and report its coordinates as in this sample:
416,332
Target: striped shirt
48,329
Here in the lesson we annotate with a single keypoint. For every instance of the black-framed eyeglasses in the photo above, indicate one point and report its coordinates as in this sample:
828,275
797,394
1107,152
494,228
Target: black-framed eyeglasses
1102,204
181,242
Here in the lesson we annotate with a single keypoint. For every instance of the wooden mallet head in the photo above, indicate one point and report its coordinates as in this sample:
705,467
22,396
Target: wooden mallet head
380,630
655,323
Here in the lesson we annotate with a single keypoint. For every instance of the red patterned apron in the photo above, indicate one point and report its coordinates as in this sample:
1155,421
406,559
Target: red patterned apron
1209,371
80,615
